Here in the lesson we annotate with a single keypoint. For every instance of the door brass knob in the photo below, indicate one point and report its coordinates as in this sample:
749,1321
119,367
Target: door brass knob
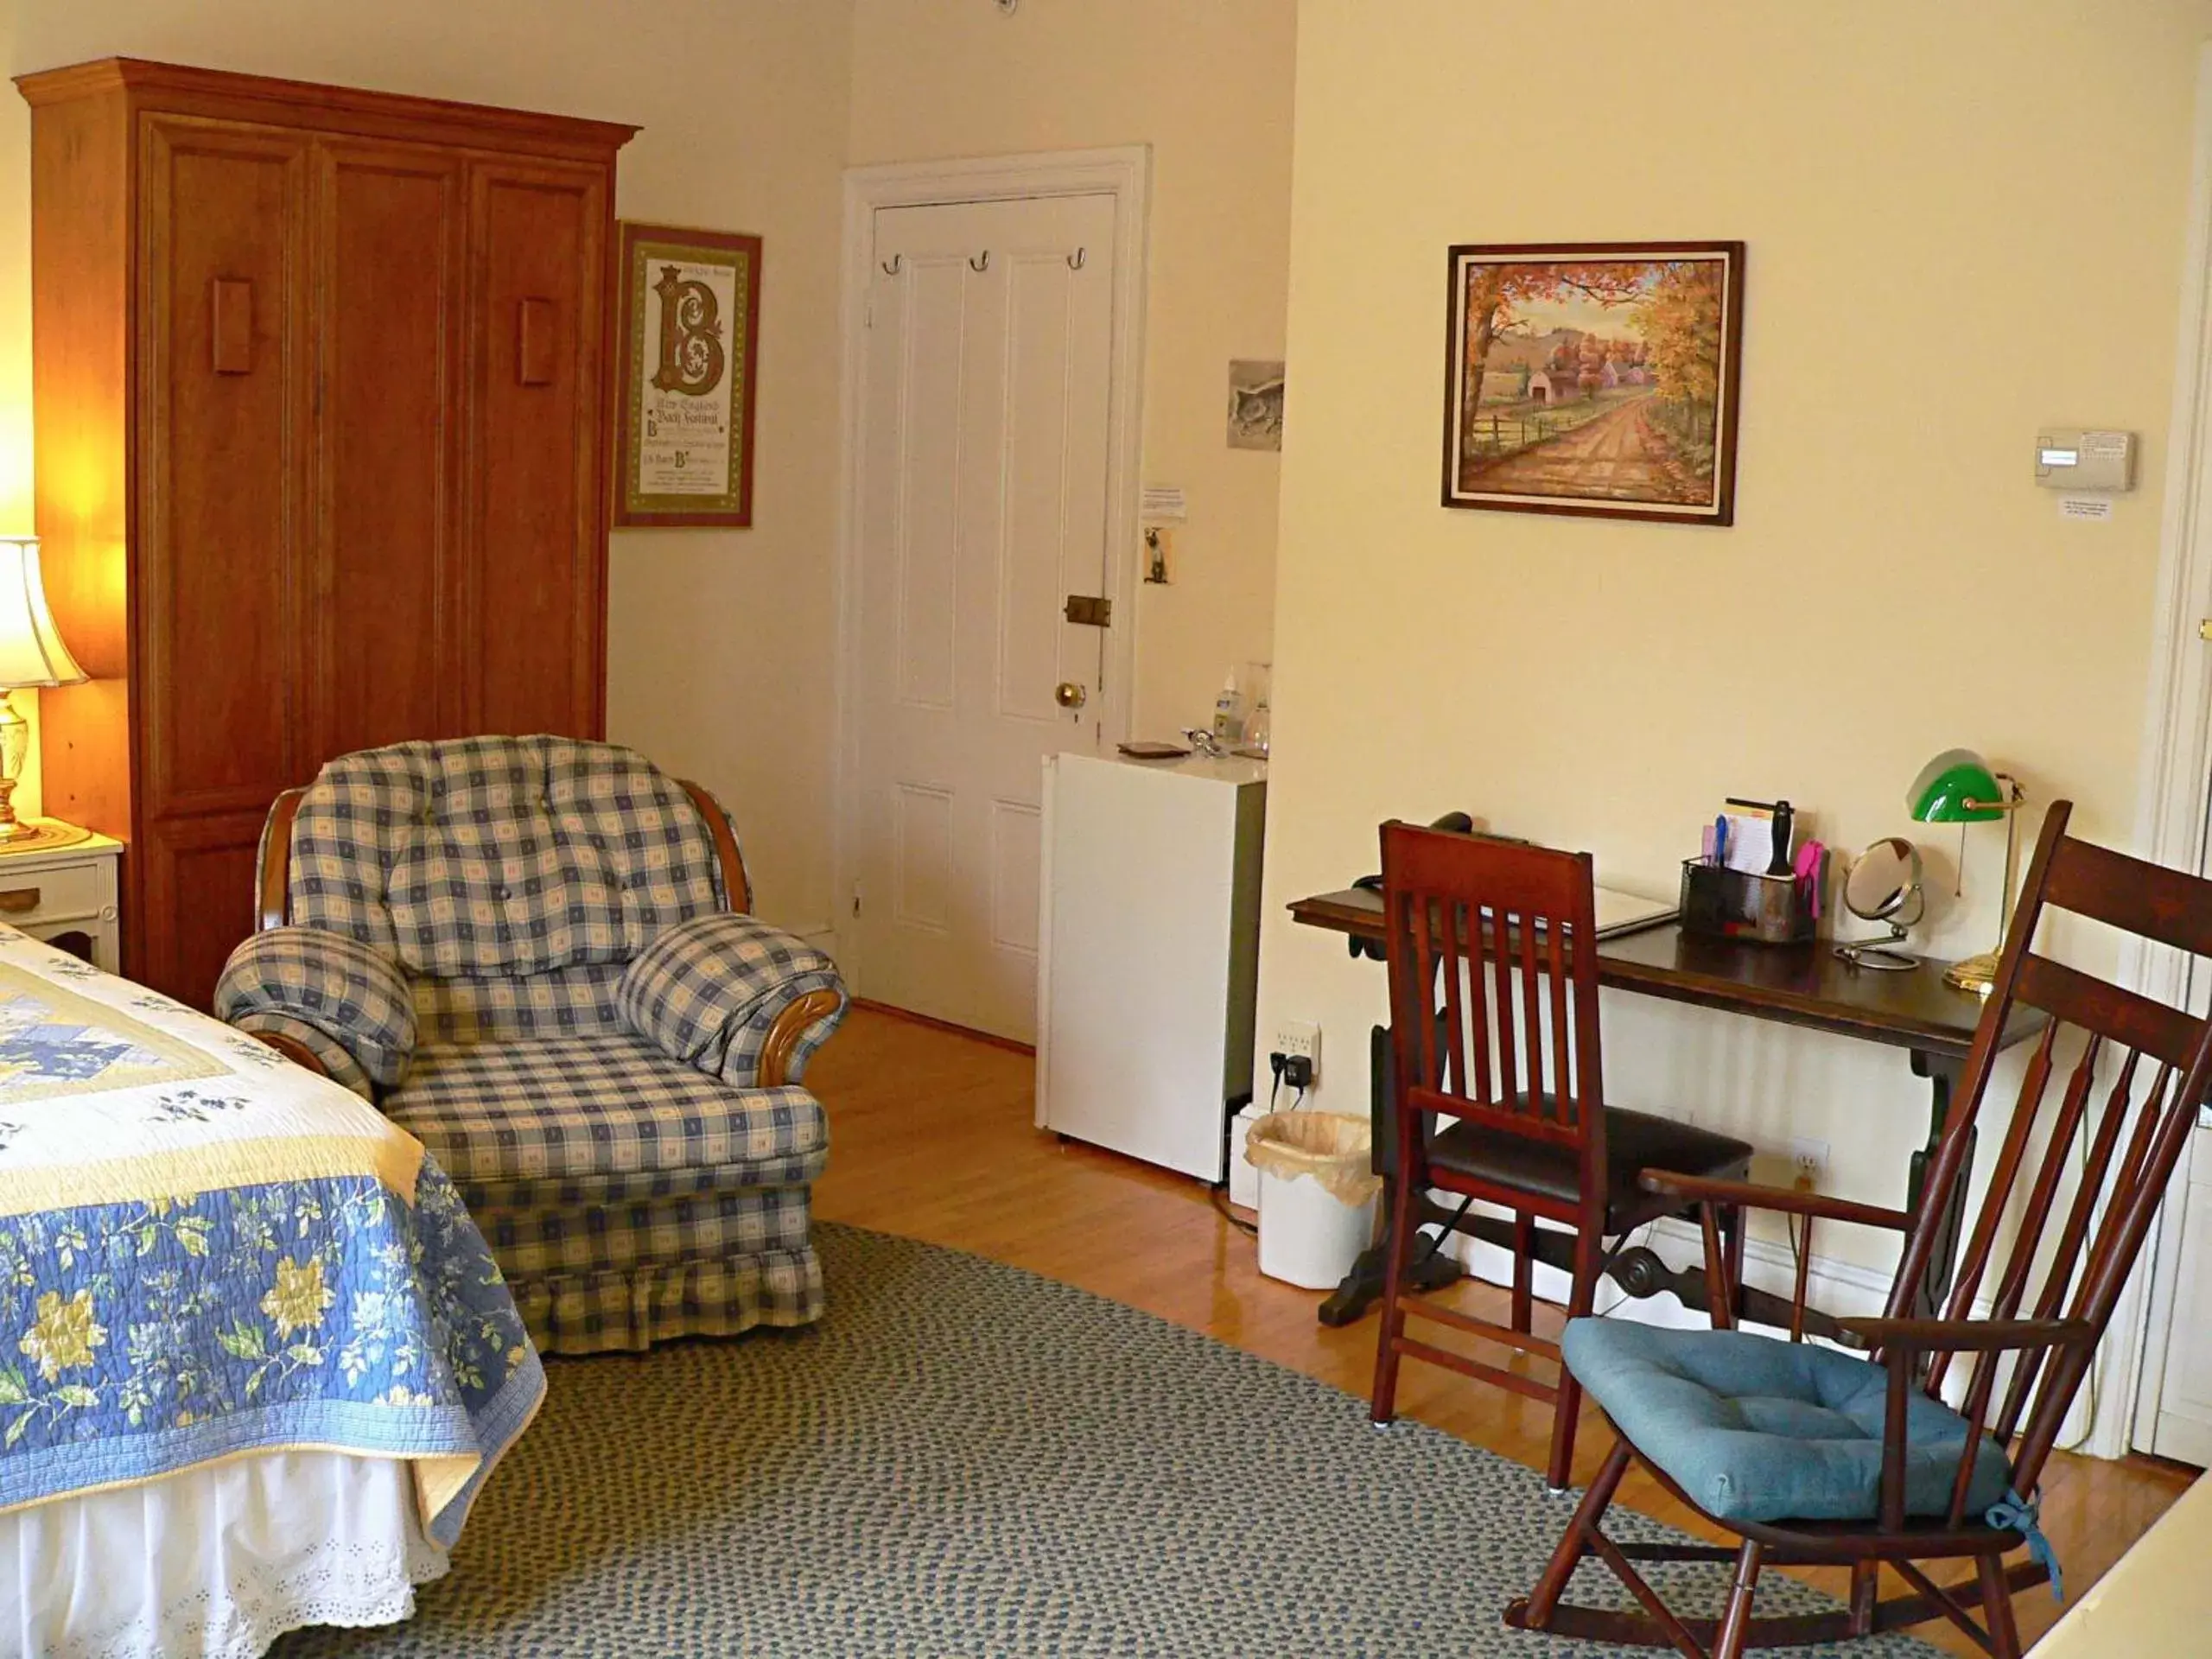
1069,694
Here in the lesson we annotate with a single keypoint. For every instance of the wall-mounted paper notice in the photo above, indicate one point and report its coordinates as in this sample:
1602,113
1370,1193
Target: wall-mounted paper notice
2084,506
1164,504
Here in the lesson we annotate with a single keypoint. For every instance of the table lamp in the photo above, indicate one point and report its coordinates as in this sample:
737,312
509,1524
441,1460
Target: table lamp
1958,787
31,653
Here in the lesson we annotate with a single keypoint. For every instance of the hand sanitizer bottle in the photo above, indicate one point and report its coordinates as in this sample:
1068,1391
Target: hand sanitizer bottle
1229,712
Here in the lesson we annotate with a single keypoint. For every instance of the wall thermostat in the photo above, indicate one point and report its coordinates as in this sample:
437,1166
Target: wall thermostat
2069,458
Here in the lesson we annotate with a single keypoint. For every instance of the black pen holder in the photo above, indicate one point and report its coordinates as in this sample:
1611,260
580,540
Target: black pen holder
1724,904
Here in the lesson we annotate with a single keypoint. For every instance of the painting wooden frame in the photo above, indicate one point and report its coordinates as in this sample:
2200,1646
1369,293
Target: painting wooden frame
1594,378
689,368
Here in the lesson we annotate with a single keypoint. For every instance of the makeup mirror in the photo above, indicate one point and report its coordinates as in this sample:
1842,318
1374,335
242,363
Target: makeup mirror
1883,885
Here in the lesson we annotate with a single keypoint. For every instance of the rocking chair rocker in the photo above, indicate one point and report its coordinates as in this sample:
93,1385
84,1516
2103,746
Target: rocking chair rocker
1812,1455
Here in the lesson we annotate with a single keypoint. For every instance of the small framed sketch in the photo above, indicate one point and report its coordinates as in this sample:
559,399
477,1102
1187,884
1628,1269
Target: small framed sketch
690,336
1254,404
1596,377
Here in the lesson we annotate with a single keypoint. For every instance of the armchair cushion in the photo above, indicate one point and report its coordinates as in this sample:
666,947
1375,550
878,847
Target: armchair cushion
1753,1429
557,1123
709,991
497,856
352,995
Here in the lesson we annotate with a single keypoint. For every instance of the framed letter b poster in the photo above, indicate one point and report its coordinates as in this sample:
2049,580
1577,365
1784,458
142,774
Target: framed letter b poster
691,327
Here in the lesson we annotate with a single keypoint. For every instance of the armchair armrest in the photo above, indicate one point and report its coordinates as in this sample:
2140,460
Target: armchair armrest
1713,1196
1901,1345
1898,1338
734,996
307,1048
326,992
1752,1195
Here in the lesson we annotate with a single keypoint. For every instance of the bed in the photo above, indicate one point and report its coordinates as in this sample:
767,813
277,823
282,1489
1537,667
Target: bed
256,1362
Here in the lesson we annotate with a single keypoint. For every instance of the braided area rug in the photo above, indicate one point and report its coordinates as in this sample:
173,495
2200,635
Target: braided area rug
965,1459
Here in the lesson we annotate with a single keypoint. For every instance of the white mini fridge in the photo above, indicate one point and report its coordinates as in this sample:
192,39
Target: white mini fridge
1148,953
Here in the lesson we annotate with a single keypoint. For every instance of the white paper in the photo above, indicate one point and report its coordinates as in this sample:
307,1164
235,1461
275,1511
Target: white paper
1751,844
1164,504
2084,506
1621,913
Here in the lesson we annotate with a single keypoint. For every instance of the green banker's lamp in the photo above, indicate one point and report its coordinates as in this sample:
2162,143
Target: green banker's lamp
1958,787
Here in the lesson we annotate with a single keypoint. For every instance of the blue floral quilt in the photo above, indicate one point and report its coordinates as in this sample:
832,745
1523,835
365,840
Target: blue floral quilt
206,1251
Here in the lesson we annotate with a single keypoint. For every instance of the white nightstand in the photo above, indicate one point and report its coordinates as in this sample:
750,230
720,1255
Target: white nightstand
66,895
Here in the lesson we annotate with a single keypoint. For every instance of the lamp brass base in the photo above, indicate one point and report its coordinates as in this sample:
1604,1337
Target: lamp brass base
1977,974
11,827
42,835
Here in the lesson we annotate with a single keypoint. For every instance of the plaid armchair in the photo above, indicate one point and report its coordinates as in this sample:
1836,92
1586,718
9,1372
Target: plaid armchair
533,953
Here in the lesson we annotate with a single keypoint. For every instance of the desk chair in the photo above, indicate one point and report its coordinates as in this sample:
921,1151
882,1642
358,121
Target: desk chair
1493,963
1810,1454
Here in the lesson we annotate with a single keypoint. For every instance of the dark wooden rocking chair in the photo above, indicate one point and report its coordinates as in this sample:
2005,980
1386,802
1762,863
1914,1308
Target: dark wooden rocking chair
1862,1465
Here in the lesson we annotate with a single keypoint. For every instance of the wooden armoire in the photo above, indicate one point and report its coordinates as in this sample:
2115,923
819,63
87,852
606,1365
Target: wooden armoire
321,379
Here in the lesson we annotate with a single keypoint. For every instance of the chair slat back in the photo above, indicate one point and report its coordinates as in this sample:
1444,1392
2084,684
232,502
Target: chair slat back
1493,966
2129,1074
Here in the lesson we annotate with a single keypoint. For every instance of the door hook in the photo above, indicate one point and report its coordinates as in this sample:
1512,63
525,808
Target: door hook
1075,259
891,265
982,262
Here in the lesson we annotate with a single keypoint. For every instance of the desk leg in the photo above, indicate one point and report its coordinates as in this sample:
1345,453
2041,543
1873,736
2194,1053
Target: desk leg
1362,1287
1942,1075
1638,1272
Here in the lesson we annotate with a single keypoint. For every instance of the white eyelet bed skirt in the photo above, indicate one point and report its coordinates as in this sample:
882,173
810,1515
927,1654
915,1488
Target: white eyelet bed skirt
217,1562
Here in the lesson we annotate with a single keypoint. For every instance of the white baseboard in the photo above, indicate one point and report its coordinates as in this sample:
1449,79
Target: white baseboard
1843,1289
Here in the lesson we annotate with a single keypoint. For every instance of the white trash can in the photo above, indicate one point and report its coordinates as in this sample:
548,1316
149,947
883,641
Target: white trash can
1317,1195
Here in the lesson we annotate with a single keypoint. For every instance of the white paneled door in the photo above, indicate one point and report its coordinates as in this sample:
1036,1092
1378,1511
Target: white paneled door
2183,1427
982,469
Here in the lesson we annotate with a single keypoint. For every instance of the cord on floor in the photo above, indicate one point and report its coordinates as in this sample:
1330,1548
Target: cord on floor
1221,1204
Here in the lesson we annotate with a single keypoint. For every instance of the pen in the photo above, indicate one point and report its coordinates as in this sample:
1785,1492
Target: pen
1721,840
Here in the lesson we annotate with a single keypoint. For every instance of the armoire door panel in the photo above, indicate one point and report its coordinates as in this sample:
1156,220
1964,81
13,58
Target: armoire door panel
391,249
224,412
536,555
197,883
321,413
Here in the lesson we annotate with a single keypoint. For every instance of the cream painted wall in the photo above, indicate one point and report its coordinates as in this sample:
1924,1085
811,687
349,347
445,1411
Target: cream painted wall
1209,87
1962,220
16,517
719,642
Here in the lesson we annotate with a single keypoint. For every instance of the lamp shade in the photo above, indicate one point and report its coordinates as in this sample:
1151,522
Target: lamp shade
31,651
1956,787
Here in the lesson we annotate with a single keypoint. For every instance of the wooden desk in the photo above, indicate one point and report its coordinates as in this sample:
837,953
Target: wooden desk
1804,985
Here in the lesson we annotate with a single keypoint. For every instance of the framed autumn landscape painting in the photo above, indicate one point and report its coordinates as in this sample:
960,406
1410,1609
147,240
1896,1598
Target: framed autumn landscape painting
1596,377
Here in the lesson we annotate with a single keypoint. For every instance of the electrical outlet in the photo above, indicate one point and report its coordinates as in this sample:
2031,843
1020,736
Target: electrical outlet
1295,1037
1808,1160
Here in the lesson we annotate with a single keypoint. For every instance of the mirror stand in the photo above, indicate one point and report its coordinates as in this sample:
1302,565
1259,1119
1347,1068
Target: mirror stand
1883,885
1880,955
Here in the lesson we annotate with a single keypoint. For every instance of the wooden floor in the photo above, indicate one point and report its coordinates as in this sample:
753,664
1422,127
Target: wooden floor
932,1137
